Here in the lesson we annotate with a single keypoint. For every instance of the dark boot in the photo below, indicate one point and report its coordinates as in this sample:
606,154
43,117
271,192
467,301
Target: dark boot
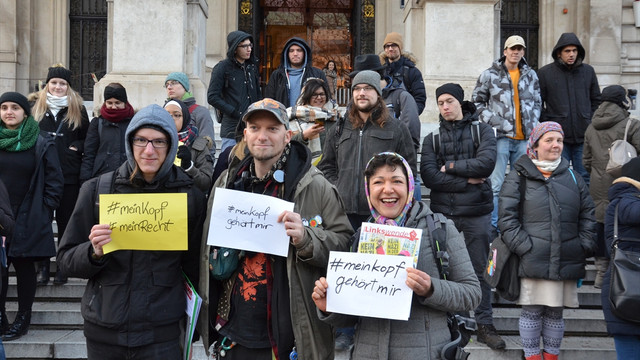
43,272
60,278
4,323
19,327
487,334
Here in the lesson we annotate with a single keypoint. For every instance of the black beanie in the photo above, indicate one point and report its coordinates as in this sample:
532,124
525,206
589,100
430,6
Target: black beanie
18,99
617,95
59,72
454,90
115,92
632,169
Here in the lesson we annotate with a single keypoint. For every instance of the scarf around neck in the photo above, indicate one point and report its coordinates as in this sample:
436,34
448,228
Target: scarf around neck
188,134
400,219
21,139
545,165
57,103
116,115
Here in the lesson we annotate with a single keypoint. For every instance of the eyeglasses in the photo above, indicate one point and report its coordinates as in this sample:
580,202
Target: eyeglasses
363,88
386,46
171,83
319,95
246,46
156,143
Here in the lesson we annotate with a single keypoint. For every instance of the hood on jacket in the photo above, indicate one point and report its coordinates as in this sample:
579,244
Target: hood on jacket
608,115
468,114
565,40
285,52
234,39
155,116
412,59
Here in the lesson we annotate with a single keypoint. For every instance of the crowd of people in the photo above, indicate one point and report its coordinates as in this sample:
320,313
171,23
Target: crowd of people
552,128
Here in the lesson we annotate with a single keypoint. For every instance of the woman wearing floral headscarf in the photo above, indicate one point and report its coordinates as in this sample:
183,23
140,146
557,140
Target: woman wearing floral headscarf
389,190
551,227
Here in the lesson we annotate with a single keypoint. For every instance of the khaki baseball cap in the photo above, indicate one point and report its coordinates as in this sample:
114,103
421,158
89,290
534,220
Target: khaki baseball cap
513,41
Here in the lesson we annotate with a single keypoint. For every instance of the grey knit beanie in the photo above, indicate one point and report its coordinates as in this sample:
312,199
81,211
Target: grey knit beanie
367,77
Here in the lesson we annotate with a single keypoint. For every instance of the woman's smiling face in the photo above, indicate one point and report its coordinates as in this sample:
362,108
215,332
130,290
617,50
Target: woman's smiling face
388,191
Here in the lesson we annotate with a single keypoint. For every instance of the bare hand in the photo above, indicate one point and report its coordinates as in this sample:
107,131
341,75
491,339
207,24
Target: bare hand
419,281
442,169
312,132
476,181
292,225
99,236
319,294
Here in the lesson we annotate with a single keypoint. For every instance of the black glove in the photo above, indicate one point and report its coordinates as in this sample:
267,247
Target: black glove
184,154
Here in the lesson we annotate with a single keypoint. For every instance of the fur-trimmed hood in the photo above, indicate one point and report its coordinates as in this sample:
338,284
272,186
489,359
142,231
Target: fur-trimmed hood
407,54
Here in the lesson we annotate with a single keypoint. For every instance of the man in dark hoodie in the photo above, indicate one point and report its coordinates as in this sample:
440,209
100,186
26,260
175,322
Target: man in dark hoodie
285,83
457,171
234,84
570,95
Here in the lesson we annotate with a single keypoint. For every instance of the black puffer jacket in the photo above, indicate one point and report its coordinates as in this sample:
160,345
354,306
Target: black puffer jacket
413,81
278,86
104,150
347,151
234,86
70,160
570,94
557,230
451,194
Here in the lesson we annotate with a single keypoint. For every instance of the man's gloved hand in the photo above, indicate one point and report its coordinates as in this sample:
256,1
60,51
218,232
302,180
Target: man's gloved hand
184,154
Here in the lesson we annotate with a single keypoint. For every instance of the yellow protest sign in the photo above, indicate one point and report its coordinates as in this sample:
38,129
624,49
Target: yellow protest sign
145,221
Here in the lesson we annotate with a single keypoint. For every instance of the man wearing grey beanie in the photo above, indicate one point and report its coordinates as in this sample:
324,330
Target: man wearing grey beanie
366,130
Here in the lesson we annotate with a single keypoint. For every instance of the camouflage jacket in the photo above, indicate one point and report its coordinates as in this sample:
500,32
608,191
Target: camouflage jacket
493,96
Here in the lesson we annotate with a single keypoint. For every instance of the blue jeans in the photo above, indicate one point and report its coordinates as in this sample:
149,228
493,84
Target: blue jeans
573,153
417,190
627,347
508,151
226,142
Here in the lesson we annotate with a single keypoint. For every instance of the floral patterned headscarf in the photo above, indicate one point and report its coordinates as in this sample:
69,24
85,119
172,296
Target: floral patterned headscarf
398,221
536,134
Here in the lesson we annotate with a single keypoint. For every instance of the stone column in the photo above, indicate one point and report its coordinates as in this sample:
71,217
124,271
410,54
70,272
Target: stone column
454,42
606,40
141,50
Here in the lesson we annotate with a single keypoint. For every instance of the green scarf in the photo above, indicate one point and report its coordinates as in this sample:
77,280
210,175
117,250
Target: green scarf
20,139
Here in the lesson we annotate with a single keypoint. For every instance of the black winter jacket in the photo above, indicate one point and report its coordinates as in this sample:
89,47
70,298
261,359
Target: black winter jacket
278,86
625,192
234,86
70,160
414,83
557,230
6,214
347,151
132,298
103,151
451,194
32,235
570,95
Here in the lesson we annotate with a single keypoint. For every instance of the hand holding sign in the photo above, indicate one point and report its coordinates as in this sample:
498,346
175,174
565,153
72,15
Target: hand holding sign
99,236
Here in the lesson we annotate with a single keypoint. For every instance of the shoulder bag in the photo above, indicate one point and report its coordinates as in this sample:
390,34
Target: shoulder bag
620,153
624,293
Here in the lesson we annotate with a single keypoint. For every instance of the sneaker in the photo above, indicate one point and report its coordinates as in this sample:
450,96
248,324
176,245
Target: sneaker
488,334
344,342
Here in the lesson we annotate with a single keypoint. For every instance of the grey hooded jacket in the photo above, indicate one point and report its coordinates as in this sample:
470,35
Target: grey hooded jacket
493,96
426,332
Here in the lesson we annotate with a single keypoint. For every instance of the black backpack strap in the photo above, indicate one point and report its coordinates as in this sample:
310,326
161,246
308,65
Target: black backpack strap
436,223
103,186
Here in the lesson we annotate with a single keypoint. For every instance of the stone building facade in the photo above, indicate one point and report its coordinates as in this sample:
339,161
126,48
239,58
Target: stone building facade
454,40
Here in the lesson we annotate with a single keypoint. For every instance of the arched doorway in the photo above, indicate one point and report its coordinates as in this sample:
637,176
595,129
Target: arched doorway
335,30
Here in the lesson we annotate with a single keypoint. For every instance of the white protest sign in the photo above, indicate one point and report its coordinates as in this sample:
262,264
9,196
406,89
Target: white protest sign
369,285
247,221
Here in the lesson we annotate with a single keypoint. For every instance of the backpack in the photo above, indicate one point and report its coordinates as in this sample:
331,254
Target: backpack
103,186
475,135
460,326
620,153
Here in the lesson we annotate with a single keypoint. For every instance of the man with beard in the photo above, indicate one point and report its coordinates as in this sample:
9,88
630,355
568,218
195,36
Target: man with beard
285,83
366,130
400,65
265,310
455,164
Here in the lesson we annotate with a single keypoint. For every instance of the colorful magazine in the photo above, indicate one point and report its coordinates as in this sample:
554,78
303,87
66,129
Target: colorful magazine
390,240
